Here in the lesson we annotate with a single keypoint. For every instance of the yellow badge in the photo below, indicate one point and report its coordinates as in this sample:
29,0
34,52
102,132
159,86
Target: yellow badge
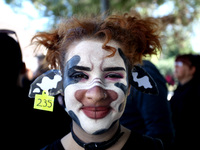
44,101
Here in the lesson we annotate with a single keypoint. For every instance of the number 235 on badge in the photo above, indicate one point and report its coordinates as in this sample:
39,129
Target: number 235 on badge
44,101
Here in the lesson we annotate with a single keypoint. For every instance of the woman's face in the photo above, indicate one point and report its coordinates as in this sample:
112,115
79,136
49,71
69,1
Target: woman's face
95,86
182,71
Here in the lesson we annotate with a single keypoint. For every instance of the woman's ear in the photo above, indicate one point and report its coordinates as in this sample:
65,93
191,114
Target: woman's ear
193,70
142,81
50,81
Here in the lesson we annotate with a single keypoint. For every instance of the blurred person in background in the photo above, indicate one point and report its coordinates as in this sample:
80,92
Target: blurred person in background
150,114
15,106
41,68
57,119
185,102
12,62
23,125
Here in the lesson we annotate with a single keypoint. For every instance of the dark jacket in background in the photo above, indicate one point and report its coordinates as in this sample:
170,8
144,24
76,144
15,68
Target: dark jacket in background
150,114
185,114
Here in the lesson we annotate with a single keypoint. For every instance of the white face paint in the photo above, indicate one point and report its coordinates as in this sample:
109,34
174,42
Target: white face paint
95,86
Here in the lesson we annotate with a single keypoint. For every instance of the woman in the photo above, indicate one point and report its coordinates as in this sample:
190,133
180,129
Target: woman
185,102
96,58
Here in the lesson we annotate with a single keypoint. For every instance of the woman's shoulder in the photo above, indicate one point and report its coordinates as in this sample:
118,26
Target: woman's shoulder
138,141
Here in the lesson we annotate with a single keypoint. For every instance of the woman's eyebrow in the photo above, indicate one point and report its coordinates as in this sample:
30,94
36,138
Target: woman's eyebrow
83,68
114,69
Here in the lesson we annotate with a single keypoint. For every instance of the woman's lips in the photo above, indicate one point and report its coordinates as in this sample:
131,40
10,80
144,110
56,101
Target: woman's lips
96,112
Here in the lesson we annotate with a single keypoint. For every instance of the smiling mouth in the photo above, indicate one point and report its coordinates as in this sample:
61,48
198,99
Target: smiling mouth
96,112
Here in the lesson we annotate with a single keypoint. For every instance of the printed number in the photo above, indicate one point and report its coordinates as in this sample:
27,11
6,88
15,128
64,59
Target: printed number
44,102
40,101
47,103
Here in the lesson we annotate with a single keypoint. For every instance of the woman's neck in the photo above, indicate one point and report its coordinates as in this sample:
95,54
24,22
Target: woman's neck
69,143
88,138
185,80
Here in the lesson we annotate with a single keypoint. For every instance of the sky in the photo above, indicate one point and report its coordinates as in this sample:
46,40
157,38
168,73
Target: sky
195,37
29,21
25,24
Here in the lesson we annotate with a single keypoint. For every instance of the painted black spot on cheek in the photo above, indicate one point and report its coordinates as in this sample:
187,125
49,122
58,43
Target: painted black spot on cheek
104,130
121,107
122,87
74,117
100,131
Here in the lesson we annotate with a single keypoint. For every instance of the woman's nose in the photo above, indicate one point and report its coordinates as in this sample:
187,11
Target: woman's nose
96,93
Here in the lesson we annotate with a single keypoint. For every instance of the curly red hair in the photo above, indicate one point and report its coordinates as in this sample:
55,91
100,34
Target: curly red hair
137,36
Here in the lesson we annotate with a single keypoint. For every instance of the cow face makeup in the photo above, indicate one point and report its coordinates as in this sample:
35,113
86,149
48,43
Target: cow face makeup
95,86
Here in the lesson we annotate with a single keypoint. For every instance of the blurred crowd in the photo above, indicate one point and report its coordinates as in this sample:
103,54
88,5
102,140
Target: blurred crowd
174,121
25,127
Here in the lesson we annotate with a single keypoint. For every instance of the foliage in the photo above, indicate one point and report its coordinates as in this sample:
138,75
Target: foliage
176,24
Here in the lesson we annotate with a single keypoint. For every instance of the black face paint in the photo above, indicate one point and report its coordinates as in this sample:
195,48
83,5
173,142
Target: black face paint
123,87
69,71
127,64
104,130
74,117
121,107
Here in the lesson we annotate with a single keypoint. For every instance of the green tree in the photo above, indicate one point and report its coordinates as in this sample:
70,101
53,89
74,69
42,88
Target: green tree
176,24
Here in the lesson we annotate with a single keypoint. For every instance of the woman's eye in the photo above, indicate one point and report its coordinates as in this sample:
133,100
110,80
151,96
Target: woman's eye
114,76
79,75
